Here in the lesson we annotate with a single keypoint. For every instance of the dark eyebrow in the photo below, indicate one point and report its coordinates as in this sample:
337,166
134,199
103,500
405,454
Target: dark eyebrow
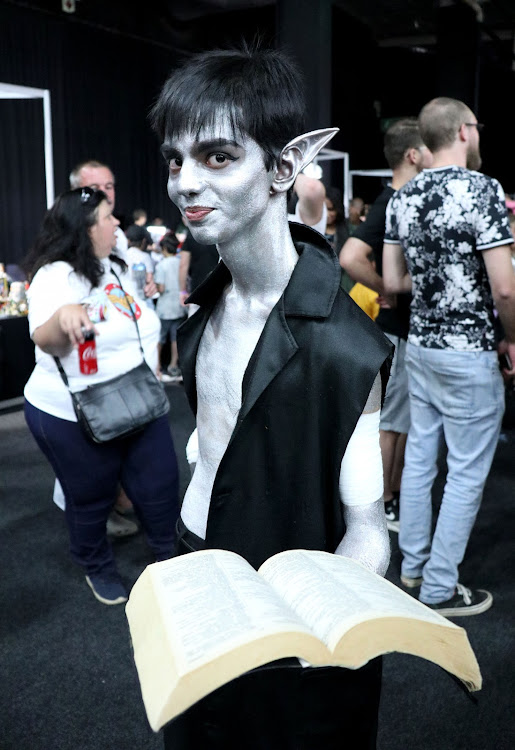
214,143
170,152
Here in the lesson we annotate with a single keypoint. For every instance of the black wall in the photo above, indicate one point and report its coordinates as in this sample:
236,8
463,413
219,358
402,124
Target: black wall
104,80
101,85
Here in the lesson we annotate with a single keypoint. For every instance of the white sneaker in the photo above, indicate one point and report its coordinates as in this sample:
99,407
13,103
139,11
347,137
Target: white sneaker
464,602
175,374
118,525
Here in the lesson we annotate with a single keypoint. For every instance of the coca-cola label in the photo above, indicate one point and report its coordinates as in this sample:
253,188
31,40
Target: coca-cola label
89,353
88,357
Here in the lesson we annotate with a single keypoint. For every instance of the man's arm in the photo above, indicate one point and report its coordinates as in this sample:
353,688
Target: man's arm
361,489
502,283
311,194
395,271
184,267
354,259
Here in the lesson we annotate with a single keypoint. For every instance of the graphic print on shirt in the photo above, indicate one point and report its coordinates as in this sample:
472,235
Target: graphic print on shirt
95,305
444,218
121,302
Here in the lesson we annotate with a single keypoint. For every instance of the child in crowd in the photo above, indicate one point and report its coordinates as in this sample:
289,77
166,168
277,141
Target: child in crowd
138,258
138,247
169,307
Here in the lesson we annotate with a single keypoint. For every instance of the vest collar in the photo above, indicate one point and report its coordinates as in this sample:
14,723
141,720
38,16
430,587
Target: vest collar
313,285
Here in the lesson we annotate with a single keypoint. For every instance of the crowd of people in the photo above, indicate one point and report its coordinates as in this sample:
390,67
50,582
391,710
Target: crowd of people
300,397
447,294
164,273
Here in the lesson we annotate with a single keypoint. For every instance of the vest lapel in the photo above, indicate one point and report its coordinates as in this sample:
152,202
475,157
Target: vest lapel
190,332
274,350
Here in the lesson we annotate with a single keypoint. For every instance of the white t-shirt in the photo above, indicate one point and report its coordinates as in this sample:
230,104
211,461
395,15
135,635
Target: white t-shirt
167,273
122,244
134,255
55,285
319,226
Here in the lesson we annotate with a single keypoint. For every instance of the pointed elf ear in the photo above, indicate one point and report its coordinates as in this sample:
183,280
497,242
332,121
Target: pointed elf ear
297,154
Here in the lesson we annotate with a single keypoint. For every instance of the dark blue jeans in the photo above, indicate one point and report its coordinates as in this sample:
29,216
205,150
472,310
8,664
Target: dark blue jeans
146,466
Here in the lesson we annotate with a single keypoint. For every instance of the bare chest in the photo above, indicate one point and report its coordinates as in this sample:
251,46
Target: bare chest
227,345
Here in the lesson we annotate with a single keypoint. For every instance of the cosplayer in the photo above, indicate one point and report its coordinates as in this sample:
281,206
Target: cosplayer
285,374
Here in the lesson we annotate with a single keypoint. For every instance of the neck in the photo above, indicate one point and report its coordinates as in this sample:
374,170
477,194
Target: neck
455,156
262,258
402,175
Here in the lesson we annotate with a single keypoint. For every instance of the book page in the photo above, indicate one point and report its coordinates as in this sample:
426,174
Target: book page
331,593
213,601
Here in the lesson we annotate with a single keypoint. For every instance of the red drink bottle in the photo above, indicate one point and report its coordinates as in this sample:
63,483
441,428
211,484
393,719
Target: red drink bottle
88,354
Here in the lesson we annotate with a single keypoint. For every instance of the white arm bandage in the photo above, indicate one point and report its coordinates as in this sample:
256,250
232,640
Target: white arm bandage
361,472
192,448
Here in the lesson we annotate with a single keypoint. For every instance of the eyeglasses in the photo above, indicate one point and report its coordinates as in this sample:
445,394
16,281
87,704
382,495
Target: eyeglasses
478,125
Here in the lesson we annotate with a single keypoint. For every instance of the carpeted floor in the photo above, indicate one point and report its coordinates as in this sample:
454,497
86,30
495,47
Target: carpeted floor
66,673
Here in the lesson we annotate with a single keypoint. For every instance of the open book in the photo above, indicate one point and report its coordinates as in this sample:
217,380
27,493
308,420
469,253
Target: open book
201,620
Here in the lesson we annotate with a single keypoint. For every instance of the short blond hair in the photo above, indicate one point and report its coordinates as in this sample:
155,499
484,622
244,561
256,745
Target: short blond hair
439,121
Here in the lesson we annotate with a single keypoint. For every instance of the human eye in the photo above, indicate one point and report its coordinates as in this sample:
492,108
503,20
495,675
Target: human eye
174,164
218,160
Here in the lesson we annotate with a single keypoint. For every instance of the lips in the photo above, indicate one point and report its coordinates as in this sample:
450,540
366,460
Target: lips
196,213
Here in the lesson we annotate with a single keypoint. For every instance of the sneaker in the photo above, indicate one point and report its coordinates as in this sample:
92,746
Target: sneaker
411,583
107,589
118,525
464,602
175,374
165,378
391,509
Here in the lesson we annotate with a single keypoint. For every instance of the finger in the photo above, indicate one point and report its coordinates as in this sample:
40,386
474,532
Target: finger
80,325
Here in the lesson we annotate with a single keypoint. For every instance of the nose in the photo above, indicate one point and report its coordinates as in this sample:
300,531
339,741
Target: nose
189,180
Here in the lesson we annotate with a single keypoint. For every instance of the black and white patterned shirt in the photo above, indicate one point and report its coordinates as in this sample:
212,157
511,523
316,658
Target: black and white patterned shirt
443,218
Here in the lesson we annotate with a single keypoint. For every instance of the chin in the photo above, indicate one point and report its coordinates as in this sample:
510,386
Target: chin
204,235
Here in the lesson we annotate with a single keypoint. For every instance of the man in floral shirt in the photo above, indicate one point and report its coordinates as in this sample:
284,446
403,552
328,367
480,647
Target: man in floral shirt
447,241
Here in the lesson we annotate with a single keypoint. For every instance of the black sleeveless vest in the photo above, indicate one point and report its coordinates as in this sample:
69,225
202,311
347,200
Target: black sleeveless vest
305,387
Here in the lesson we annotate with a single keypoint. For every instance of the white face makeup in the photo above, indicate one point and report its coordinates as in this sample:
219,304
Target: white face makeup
219,182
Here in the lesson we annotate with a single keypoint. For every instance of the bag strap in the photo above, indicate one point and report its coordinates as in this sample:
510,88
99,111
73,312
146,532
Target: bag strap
62,373
130,308
58,361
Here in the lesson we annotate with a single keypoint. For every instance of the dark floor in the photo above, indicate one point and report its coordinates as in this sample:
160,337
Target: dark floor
67,680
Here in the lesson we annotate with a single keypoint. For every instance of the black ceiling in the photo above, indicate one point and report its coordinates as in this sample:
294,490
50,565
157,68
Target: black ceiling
387,19
184,25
